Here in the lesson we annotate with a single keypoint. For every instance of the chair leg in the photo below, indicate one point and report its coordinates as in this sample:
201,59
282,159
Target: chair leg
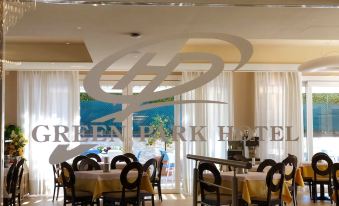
19,199
314,191
159,192
152,200
57,194
54,193
310,189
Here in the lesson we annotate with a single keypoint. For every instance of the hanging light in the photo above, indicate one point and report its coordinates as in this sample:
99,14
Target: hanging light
322,64
14,10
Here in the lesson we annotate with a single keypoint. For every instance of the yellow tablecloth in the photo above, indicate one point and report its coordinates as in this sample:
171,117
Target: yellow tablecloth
307,170
298,174
99,182
250,185
299,178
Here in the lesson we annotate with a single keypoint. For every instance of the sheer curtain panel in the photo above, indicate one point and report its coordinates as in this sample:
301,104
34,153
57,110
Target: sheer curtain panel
278,103
209,115
45,98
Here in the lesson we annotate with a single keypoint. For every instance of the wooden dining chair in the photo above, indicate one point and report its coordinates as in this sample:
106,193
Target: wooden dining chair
131,156
149,167
119,158
266,163
76,162
94,156
20,168
321,176
11,181
57,181
71,195
157,181
274,187
309,180
291,161
130,193
210,194
335,171
88,164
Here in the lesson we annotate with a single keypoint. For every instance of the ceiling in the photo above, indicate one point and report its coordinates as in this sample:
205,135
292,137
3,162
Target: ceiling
105,30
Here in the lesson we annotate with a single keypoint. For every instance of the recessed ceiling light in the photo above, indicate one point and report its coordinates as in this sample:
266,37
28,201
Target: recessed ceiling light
135,34
68,43
95,4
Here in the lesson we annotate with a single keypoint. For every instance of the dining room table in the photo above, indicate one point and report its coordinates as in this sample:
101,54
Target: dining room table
251,185
98,182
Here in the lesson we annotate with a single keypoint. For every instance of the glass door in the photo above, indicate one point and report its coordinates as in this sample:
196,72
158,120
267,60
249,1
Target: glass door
321,118
156,125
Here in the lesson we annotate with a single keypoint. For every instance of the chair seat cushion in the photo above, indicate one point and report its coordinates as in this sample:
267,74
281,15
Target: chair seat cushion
224,199
117,195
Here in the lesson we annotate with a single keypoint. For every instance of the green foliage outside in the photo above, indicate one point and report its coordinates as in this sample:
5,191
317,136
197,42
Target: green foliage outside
324,98
85,97
160,121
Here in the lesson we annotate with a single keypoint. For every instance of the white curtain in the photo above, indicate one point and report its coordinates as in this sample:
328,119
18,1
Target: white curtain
278,103
45,98
209,115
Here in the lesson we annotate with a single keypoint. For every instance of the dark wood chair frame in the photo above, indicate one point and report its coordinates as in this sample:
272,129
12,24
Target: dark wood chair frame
266,163
278,168
88,164
57,181
11,182
119,158
335,170
206,188
157,182
131,156
127,186
146,167
20,167
68,185
76,161
324,173
94,156
292,161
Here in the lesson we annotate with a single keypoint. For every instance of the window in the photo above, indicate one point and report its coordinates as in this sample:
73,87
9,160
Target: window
321,118
91,109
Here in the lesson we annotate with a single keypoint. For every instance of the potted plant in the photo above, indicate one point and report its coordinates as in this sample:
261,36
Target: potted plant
15,141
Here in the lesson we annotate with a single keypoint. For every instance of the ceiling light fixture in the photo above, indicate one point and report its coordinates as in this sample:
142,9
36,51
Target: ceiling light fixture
14,10
322,64
135,34
209,3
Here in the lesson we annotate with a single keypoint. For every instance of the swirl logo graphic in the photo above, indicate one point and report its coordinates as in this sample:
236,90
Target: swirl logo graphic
137,102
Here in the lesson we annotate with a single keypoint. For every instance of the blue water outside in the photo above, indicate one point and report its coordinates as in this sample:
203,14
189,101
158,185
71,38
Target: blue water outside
325,119
91,110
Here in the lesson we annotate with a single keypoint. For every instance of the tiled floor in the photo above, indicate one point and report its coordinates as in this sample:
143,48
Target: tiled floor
168,200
